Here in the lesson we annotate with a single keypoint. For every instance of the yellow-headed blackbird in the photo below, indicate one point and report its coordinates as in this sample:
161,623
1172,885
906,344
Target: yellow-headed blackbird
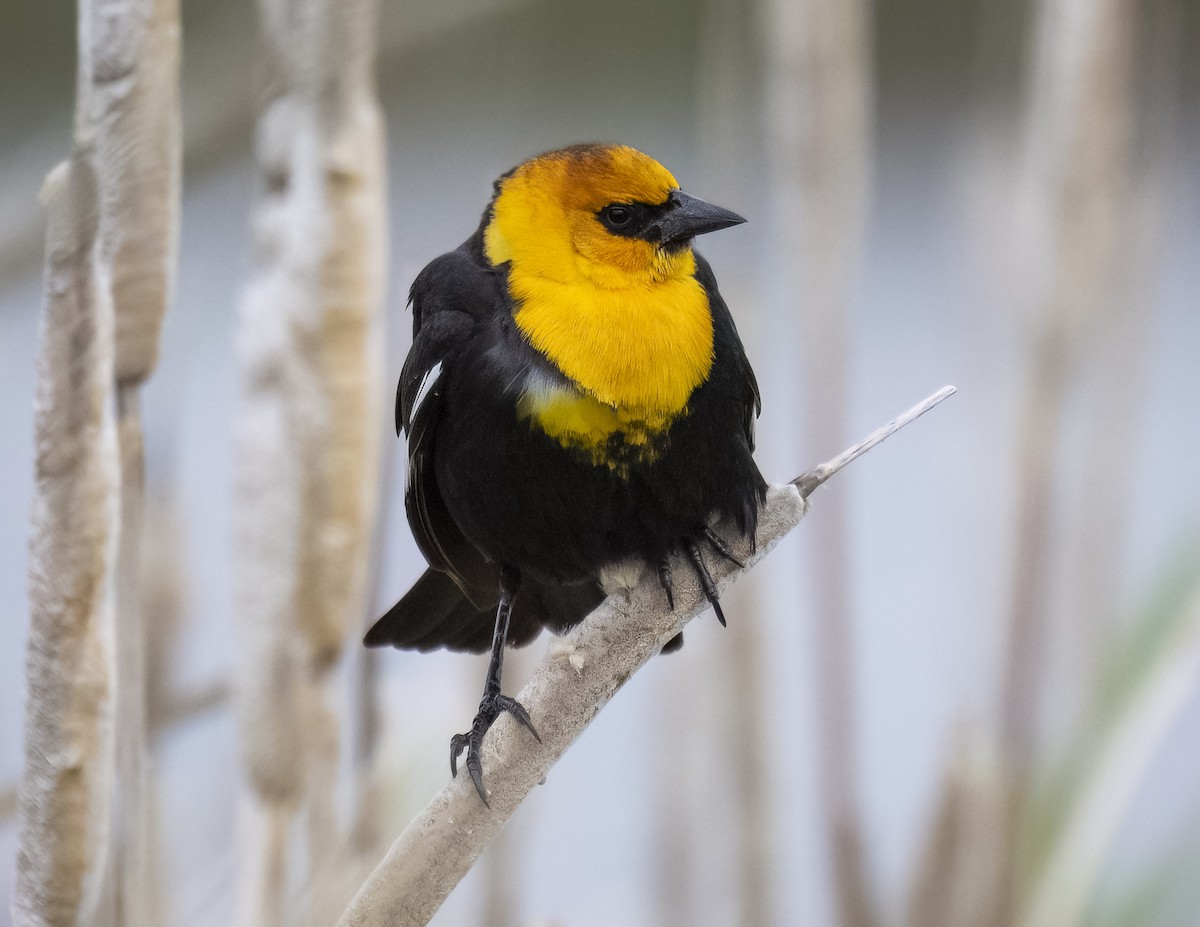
576,400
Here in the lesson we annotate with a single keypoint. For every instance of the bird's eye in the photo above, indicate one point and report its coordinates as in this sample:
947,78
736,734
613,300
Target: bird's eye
616,217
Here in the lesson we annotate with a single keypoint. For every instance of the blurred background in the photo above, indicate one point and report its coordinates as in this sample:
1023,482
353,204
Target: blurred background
983,638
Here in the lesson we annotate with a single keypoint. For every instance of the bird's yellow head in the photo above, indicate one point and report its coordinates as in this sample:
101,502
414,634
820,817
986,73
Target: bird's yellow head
596,240
607,215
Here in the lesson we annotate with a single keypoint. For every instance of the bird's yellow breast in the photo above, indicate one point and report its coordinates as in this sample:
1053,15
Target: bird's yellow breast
640,350
635,356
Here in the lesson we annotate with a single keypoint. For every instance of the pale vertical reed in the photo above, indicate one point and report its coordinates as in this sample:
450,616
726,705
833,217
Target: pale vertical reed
111,233
728,143
1079,119
307,437
66,790
819,104
138,144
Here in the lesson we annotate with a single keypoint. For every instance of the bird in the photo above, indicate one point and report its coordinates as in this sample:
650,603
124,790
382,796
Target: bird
578,408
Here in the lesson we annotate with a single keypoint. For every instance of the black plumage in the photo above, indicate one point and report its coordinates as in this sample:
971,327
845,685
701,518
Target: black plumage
484,488
519,525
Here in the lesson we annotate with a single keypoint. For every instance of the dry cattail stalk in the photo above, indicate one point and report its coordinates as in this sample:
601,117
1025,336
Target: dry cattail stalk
574,682
343,492
277,393
1078,147
134,127
750,749
819,113
307,437
137,138
67,787
957,869
110,257
728,140
344,485
1117,355
162,594
366,836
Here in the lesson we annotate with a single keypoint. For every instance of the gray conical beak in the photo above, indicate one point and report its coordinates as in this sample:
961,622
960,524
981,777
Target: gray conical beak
690,216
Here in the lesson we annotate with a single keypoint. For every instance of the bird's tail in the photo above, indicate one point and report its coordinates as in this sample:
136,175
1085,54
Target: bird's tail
436,613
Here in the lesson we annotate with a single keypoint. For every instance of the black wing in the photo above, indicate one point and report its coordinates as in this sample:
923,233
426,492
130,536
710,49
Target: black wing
450,298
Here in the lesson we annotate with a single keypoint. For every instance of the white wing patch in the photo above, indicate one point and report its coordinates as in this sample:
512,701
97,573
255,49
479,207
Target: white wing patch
424,391
432,375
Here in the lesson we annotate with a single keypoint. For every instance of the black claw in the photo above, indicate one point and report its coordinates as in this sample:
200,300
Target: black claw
664,580
720,545
458,743
706,581
475,768
489,710
517,710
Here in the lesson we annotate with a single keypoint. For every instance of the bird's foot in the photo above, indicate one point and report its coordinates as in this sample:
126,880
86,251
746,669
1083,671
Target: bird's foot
706,580
490,708
721,546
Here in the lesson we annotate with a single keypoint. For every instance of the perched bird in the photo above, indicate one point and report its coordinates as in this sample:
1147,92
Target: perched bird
577,404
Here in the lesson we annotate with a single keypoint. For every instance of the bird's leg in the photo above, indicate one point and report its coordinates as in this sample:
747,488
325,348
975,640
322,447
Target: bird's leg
493,701
721,546
664,580
706,581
